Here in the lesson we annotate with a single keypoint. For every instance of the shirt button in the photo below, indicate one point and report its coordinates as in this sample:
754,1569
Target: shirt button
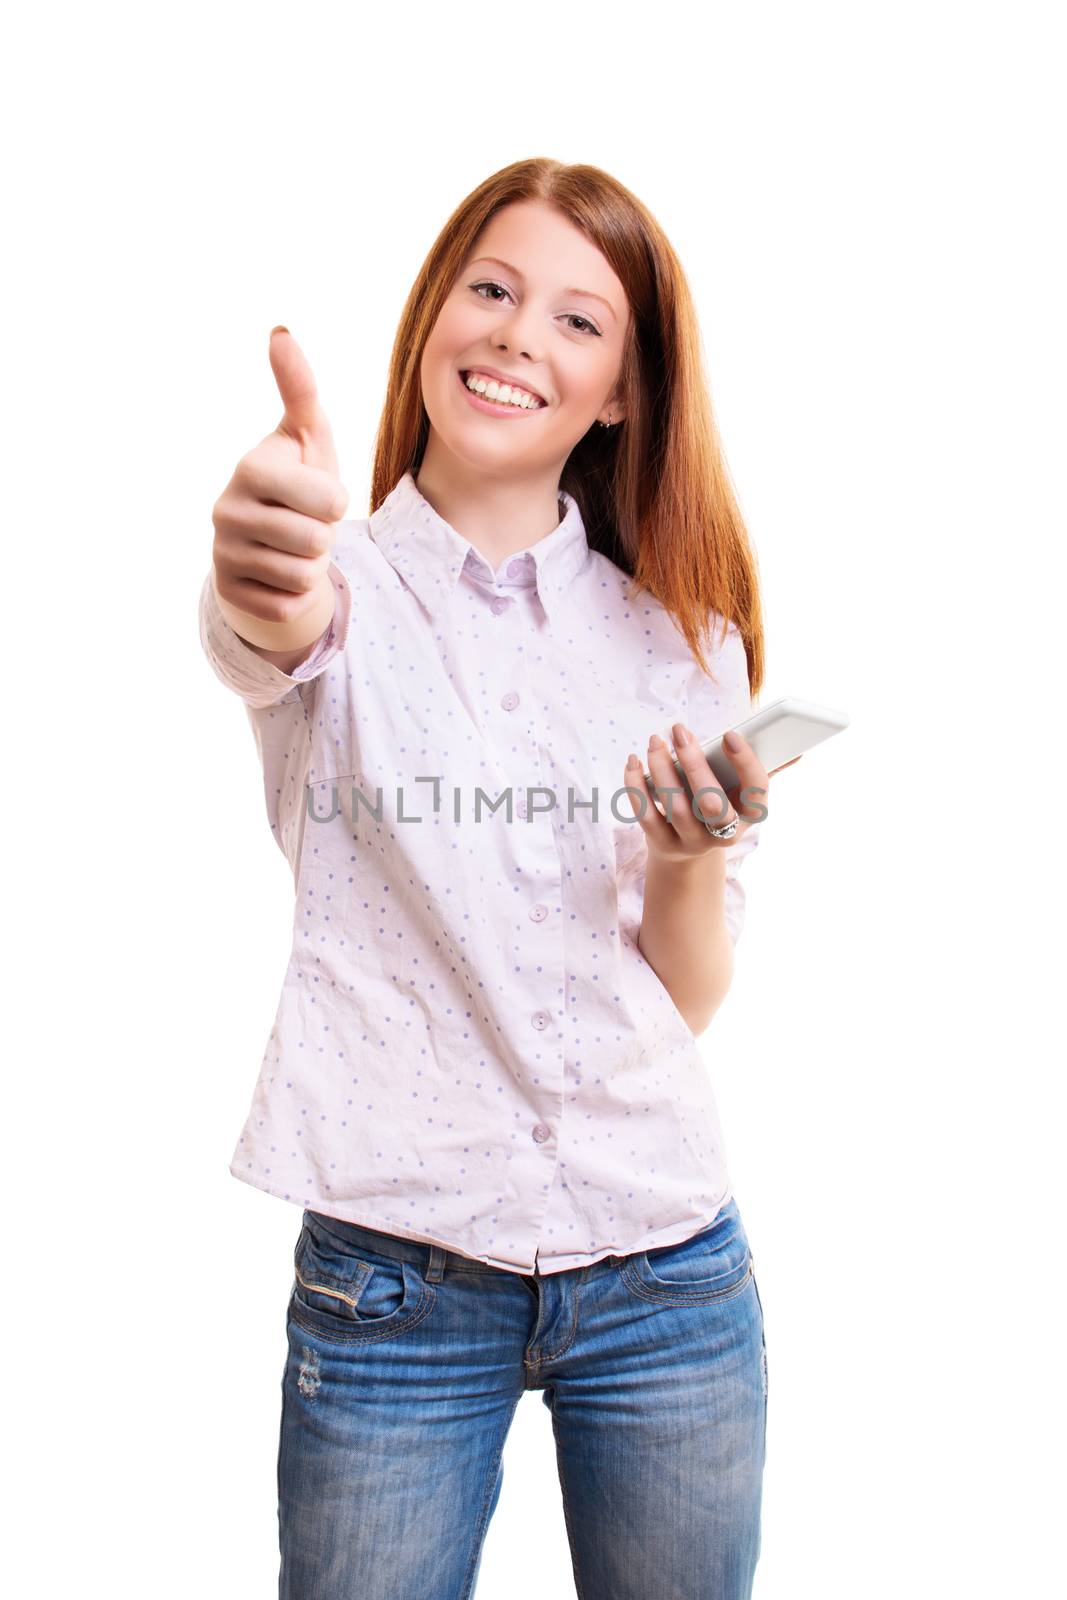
538,913
499,604
541,1132
540,1020
521,809
510,700
515,569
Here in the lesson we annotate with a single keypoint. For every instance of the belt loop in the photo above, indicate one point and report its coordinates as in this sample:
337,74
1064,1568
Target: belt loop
436,1268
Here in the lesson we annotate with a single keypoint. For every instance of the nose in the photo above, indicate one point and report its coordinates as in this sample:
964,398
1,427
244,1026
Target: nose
518,332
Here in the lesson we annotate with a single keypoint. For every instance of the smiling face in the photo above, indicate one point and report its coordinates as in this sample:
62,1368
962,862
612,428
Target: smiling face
537,302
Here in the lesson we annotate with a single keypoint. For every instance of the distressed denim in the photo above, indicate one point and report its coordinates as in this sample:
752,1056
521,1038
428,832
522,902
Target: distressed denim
406,1362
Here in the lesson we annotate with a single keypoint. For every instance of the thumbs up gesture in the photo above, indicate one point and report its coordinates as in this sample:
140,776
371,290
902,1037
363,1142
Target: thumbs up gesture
275,522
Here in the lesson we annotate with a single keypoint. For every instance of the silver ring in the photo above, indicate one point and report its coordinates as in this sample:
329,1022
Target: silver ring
726,830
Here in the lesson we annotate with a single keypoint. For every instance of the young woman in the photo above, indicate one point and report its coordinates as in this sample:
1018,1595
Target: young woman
483,1085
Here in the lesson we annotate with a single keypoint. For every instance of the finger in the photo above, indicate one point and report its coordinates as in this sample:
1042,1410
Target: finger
266,602
304,418
675,799
752,779
296,382
297,574
783,766
249,524
270,473
655,826
706,791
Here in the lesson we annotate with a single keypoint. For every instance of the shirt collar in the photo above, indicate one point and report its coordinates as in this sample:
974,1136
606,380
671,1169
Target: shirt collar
429,554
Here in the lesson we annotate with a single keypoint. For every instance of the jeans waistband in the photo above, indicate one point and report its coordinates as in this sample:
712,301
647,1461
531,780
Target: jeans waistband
391,1244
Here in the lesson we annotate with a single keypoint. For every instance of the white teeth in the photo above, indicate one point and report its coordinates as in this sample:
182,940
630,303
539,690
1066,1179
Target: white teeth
501,393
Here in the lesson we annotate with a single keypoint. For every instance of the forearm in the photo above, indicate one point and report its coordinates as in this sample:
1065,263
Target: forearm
683,934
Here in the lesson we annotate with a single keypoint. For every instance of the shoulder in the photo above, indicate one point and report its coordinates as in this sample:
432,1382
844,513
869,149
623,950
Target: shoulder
609,593
721,695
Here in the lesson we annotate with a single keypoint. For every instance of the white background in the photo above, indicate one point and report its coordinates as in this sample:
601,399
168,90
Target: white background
868,203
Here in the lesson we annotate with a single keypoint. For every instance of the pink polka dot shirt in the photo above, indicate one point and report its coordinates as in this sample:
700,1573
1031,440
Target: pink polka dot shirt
469,1048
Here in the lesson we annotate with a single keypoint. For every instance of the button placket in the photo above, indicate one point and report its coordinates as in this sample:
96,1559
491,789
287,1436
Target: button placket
539,912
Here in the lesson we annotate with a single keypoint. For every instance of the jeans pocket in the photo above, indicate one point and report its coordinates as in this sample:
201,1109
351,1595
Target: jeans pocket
713,1264
347,1292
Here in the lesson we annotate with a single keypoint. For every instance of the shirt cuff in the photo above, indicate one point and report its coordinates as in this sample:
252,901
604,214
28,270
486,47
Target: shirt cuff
260,683
734,905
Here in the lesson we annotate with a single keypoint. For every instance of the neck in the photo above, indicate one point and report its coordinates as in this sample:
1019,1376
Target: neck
498,515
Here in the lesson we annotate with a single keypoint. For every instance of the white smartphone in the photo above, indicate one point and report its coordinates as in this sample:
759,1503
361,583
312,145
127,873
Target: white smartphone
777,733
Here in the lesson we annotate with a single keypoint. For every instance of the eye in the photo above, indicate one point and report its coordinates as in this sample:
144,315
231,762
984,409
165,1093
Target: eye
572,316
478,286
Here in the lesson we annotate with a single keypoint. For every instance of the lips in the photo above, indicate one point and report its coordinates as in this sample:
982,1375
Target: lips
503,377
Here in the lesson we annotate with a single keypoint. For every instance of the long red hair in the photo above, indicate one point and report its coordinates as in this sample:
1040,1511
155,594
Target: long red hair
654,491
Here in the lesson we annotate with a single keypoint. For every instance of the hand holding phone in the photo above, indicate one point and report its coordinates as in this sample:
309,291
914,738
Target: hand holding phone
773,738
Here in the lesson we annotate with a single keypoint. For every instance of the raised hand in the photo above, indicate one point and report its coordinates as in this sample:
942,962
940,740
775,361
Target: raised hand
276,520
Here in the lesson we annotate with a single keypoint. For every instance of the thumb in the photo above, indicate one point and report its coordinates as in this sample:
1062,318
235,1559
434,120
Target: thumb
304,419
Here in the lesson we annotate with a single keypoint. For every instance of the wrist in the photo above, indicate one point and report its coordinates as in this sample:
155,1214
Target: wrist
709,865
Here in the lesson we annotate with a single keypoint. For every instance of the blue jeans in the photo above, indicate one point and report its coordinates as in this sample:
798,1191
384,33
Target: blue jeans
406,1362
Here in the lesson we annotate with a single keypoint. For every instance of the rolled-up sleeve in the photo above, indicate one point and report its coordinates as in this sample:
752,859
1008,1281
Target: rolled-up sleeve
715,705
260,683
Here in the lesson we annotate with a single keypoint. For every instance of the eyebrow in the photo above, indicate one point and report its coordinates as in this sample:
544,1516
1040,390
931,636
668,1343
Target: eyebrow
586,294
